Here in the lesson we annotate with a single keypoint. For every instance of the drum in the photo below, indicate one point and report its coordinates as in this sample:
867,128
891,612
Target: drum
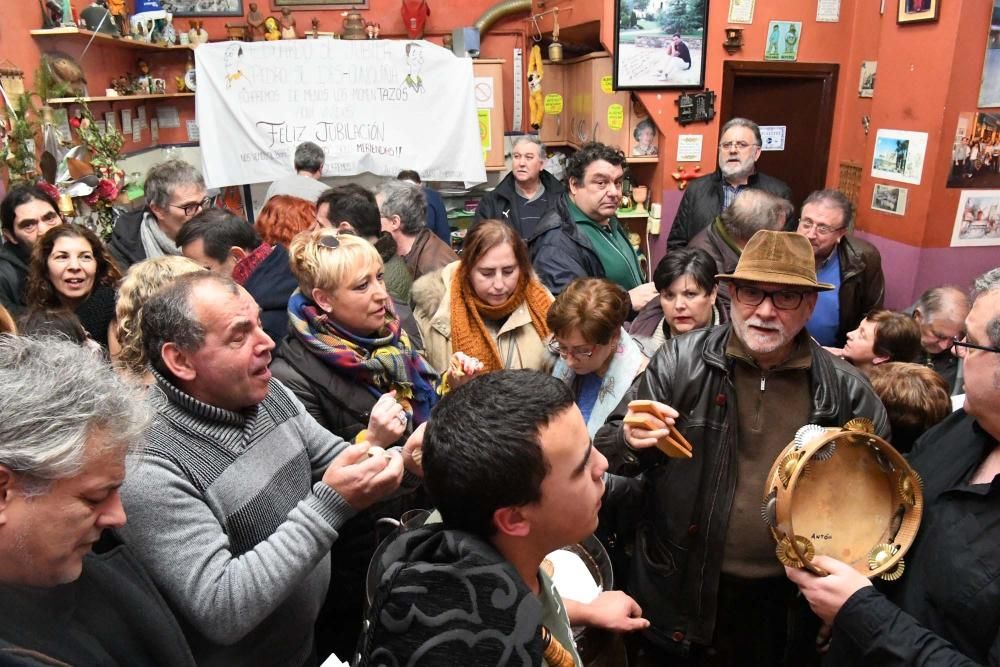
844,493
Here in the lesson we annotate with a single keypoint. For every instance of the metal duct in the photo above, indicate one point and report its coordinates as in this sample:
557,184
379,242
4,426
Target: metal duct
500,10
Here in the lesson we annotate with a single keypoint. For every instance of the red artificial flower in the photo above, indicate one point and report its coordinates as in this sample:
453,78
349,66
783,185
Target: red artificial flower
49,189
107,190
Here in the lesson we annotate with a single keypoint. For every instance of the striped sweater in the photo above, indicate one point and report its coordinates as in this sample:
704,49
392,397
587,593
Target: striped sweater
228,513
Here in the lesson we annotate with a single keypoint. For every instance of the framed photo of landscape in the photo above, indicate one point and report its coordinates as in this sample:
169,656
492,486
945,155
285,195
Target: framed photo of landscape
188,8
899,155
660,45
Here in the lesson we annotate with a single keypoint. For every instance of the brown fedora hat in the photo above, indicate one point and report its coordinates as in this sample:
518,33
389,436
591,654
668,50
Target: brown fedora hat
782,258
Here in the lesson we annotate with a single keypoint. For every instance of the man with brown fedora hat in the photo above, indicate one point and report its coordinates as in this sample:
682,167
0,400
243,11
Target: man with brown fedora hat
704,568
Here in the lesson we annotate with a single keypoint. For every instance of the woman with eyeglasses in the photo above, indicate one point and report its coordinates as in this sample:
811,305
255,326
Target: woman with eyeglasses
685,280
26,213
597,357
71,269
348,360
489,305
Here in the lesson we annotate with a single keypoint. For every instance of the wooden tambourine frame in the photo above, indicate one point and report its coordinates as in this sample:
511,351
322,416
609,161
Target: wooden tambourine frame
844,493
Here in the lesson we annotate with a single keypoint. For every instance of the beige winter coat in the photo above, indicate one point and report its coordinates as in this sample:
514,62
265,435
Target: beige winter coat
519,344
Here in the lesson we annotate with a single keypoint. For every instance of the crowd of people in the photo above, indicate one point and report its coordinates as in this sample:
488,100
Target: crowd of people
259,399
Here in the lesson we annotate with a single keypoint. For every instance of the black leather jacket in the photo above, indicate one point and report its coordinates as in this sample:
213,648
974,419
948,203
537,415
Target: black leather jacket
685,510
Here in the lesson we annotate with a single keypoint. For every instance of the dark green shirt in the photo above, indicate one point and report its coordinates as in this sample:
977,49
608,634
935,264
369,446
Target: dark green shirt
617,256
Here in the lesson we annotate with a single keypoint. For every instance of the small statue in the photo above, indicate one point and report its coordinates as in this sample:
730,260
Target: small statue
169,33
287,24
272,31
370,30
51,13
118,12
143,82
255,19
315,28
197,35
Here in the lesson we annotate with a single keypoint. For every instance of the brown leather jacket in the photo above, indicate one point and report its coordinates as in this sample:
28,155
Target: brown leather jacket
428,254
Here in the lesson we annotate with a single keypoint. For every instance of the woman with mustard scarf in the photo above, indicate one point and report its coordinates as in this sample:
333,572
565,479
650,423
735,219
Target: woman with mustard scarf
489,305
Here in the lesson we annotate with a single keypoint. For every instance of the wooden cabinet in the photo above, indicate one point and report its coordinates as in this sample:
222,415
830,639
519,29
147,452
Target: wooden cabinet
490,111
591,110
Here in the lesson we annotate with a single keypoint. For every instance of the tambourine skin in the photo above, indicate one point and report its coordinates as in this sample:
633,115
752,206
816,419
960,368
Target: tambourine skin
846,494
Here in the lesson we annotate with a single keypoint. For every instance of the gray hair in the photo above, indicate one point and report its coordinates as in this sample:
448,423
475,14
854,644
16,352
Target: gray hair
54,397
742,122
162,179
754,210
531,139
169,317
309,157
946,301
833,199
406,200
989,282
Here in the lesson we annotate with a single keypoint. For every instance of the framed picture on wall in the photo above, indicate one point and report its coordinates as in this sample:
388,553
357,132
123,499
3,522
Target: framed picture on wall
977,221
899,155
989,90
889,199
783,39
659,45
204,7
975,153
866,84
917,11
318,4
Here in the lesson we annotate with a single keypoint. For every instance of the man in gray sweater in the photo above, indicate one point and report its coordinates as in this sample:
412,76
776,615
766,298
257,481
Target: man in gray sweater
238,494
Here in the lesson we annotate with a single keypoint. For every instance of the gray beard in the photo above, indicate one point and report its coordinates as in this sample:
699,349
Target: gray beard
736,173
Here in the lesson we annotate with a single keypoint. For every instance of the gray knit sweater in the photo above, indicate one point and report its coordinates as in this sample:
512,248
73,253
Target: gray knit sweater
228,513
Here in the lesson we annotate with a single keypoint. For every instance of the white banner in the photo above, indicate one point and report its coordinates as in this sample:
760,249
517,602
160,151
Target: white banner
378,106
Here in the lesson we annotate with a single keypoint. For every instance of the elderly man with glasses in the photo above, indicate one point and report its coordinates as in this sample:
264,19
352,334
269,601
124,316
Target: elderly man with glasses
851,265
946,607
707,197
175,193
704,570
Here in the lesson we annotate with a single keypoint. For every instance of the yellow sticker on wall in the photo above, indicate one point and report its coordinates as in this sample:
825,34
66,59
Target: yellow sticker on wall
616,117
606,84
553,104
485,129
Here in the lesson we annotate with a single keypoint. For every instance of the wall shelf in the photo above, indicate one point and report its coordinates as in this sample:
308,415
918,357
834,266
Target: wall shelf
80,34
114,98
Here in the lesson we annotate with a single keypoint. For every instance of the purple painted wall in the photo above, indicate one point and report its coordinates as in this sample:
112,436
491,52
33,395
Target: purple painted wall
909,270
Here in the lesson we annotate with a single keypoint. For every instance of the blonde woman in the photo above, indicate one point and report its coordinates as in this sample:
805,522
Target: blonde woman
141,282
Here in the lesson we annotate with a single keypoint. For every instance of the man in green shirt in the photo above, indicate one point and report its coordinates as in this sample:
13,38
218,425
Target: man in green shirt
511,469
581,236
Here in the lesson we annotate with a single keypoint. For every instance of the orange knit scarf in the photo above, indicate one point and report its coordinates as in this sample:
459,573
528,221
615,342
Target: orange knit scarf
468,332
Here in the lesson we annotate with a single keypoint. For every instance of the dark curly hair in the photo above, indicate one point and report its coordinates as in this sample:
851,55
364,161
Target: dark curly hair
41,293
589,153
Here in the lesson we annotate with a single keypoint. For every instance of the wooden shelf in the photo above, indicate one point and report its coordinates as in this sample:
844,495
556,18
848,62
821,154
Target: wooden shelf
645,159
114,98
81,34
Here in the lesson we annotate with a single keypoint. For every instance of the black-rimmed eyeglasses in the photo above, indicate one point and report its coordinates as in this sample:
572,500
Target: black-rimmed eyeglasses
576,352
784,299
193,207
959,345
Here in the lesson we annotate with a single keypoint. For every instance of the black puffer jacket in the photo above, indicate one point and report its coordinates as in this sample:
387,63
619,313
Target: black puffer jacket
702,202
561,252
862,284
500,203
685,515
13,277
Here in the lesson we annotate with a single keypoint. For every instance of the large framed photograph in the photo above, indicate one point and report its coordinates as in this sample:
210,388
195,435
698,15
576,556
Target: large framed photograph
889,199
975,154
977,222
899,155
917,11
203,7
989,89
660,45
318,4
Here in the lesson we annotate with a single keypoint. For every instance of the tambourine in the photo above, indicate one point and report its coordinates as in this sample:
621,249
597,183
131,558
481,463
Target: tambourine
844,493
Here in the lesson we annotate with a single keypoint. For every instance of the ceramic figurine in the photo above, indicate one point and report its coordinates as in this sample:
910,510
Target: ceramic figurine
197,35
255,19
272,31
287,24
